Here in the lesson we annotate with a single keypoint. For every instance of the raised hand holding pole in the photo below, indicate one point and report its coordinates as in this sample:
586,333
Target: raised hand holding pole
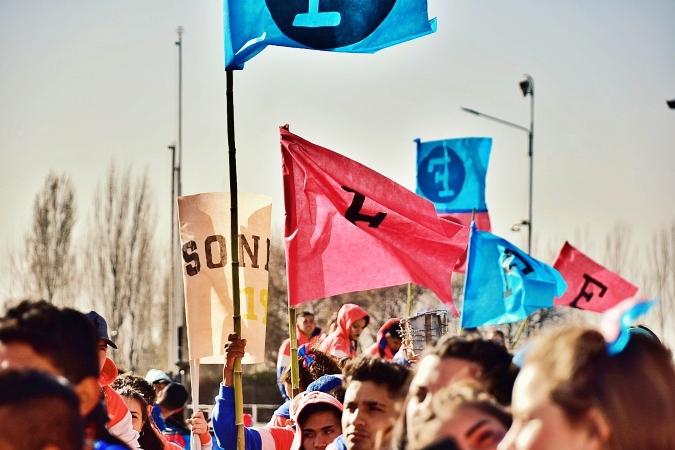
234,239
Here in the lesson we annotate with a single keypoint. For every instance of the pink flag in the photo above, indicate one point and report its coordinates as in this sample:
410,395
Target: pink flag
589,285
482,220
349,229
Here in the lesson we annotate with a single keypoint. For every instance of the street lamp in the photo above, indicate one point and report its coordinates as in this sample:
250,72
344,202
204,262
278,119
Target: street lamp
527,86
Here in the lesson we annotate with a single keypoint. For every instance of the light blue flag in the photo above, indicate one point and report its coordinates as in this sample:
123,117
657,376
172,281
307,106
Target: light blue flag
503,284
333,25
451,173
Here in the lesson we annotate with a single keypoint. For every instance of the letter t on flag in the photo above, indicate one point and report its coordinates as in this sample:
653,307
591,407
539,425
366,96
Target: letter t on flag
349,229
337,26
451,173
591,286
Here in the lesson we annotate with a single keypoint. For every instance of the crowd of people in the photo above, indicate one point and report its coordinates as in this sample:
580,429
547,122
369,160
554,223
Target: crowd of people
567,389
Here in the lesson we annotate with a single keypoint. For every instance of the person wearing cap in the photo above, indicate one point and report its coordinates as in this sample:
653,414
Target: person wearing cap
120,418
159,380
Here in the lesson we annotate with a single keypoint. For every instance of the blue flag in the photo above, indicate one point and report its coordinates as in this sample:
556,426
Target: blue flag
333,25
451,173
503,284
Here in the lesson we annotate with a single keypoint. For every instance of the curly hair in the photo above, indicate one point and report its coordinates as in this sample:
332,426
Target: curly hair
138,384
498,371
323,364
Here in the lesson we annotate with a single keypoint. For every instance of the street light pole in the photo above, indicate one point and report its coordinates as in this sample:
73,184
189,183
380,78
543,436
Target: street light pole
527,86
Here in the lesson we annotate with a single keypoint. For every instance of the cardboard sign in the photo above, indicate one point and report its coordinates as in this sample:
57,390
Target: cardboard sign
207,272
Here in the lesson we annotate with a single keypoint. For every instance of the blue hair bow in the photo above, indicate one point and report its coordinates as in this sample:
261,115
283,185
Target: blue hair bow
616,322
306,357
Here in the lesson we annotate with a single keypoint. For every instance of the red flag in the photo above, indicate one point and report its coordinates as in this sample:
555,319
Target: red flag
349,229
482,220
589,285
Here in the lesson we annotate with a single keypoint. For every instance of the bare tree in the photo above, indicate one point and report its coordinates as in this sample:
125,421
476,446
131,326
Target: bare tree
659,280
49,269
122,262
618,249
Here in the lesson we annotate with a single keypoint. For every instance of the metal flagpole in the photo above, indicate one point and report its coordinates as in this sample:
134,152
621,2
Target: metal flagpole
173,282
179,310
234,239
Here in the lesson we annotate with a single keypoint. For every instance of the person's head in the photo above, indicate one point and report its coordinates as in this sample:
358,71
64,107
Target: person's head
332,323
103,339
393,337
571,393
38,412
306,323
141,420
62,342
454,359
174,397
318,420
136,383
375,389
464,412
158,379
352,319
311,369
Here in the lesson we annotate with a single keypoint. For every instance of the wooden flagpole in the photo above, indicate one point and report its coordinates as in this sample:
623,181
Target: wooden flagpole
234,246
409,309
295,368
293,335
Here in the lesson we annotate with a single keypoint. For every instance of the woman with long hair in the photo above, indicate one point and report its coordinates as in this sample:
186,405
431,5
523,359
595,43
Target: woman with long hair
578,391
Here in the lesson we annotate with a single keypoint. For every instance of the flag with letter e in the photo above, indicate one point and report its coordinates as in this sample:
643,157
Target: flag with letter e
332,25
591,286
451,173
349,229
503,284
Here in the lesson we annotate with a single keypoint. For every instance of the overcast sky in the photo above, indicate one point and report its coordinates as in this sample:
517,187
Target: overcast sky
84,83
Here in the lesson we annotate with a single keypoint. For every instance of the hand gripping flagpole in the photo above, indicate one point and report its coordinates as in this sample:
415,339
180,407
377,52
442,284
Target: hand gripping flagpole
234,239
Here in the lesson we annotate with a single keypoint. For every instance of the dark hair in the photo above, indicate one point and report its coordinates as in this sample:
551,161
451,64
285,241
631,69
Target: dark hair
394,376
305,313
498,372
395,330
174,396
324,364
65,336
148,438
315,408
138,384
39,410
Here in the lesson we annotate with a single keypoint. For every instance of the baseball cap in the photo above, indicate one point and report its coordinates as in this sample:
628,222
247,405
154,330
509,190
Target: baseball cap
155,375
101,326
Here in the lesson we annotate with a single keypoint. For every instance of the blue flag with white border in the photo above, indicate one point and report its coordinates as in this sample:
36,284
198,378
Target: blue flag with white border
451,173
332,25
503,284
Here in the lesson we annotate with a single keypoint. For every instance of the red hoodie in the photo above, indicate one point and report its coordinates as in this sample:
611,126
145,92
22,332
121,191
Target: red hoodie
379,348
338,343
120,418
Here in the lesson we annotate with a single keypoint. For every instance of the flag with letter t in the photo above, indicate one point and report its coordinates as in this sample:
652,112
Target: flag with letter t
333,25
349,229
592,286
451,173
503,284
